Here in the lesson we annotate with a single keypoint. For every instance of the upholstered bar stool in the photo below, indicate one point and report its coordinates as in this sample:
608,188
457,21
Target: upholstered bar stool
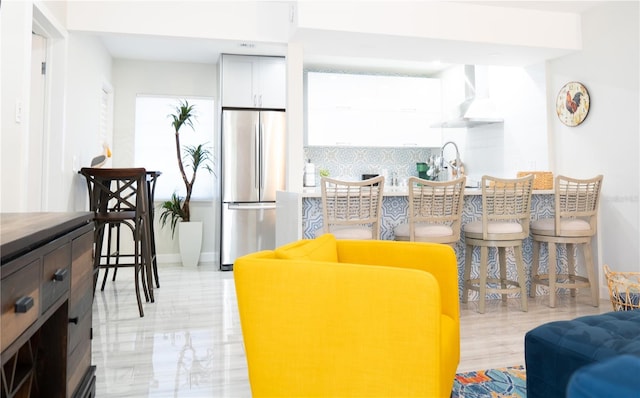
506,208
435,211
573,226
118,197
352,209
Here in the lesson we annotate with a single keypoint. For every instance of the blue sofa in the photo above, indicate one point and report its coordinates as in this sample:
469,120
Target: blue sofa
555,350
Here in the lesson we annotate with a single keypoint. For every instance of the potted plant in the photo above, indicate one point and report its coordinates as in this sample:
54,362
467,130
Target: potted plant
176,211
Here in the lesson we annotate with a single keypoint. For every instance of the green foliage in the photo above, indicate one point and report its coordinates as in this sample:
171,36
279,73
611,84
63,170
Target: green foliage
172,212
198,156
183,115
194,157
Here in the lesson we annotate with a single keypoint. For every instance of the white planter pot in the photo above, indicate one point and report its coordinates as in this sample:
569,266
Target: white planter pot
190,239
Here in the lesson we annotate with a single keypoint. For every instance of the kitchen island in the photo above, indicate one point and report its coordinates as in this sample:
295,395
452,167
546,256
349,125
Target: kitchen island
395,208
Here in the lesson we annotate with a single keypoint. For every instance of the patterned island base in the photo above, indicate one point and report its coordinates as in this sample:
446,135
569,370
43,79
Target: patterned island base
395,211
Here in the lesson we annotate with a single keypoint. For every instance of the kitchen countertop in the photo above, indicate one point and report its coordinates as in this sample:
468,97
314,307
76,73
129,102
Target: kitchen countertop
316,192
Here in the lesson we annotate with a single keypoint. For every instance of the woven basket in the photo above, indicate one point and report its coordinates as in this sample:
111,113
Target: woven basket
624,289
541,179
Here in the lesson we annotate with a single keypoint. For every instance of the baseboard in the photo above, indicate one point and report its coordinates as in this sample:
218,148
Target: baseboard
174,258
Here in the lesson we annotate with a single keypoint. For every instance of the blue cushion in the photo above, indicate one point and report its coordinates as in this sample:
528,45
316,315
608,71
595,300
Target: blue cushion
615,377
555,350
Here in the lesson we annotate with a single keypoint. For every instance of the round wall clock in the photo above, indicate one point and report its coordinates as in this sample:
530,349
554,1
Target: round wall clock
572,104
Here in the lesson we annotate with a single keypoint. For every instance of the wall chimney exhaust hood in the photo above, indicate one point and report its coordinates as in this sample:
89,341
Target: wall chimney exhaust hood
477,109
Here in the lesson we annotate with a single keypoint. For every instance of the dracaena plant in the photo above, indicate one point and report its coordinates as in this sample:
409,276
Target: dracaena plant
191,158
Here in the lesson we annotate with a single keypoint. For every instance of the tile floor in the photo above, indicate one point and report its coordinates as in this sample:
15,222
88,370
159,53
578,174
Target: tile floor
189,343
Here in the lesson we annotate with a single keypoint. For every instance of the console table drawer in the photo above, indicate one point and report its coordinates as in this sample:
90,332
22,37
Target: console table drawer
80,323
23,284
81,272
56,275
78,364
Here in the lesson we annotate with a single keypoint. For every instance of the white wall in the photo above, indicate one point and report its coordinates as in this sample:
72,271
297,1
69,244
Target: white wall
77,68
520,143
132,77
89,69
15,25
607,141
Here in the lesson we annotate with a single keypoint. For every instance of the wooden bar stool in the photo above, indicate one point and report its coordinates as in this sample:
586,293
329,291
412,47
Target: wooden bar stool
506,208
435,211
152,177
118,197
352,209
573,226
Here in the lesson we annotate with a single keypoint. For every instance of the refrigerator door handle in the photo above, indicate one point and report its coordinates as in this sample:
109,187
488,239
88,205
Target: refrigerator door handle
262,156
256,157
262,206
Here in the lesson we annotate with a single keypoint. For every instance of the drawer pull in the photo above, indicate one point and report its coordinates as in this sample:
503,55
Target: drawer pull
74,320
60,275
23,304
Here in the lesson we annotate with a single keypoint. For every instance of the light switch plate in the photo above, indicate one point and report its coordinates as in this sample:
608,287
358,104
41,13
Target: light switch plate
18,111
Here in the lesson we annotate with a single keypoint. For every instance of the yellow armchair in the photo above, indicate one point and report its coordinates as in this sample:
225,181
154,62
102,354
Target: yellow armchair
331,318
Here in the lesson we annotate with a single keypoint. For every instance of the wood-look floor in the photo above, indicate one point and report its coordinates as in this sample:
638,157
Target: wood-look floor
189,343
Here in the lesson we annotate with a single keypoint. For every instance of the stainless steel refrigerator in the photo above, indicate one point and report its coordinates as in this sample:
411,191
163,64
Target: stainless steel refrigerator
253,169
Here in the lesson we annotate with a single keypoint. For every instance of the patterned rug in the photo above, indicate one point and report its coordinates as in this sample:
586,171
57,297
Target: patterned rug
507,382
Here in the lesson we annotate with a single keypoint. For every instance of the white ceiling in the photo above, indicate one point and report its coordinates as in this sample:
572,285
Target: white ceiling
352,51
180,49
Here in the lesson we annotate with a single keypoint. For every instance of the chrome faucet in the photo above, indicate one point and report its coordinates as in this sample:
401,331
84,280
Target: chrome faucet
457,169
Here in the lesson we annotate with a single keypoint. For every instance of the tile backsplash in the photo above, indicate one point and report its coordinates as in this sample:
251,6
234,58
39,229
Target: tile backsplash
350,163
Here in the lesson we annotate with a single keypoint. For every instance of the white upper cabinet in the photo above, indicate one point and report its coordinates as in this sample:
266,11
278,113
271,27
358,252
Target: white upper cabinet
254,82
372,110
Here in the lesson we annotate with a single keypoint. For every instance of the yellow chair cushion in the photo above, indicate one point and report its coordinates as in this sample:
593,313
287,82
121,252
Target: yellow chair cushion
322,248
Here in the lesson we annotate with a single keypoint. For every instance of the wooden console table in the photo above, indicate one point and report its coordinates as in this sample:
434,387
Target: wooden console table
46,284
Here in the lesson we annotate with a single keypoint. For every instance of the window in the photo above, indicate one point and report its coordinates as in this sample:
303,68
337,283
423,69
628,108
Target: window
155,147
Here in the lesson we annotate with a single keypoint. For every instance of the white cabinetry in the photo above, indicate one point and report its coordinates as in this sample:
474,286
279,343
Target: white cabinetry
372,110
253,81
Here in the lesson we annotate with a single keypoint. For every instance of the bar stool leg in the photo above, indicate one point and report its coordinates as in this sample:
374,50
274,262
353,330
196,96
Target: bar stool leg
593,284
522,280
117,253
534,268
98,238
137,282
502,259
467,273
571,266
552,273
484,257
147,261
139,262
108,258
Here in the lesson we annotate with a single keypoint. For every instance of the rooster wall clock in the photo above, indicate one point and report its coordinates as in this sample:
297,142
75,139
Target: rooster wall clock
572,104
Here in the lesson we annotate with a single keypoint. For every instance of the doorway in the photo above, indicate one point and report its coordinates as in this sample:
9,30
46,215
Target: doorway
36,153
